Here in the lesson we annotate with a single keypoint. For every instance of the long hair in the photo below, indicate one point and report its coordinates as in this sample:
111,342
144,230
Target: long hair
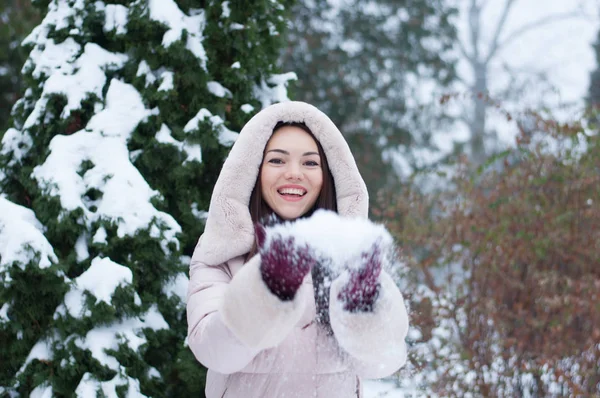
260,212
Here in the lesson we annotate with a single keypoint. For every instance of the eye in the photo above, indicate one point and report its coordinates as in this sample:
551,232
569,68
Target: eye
311,163
275,161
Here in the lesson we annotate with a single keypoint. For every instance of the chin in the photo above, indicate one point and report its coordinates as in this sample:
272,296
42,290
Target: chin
291,215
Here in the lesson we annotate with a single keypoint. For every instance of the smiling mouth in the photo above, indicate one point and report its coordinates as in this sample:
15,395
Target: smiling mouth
292,192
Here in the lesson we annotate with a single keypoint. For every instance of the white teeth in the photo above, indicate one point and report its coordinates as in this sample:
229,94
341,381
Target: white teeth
292,191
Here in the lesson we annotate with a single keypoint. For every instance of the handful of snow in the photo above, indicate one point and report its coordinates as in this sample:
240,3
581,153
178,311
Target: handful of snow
337,242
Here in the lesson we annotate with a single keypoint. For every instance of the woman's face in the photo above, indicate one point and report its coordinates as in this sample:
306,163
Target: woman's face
291,176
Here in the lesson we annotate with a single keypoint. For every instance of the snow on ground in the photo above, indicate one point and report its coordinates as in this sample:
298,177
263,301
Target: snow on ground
384,388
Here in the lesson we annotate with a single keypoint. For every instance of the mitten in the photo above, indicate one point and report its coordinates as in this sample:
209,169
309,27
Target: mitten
283,264
361,290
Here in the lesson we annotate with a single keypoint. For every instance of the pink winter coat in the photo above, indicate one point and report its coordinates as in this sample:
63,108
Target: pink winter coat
256,345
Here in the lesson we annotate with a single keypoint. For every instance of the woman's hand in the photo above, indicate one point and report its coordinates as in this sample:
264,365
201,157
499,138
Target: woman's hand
283,263
362,289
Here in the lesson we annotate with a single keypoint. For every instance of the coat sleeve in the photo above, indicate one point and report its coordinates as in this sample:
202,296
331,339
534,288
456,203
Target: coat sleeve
373,340
210,340
230,320
256,316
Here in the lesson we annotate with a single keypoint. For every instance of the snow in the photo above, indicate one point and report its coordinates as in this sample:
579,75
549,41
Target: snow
274,89
177,287
226,10
53,57
100,279
88,386
116,18
193,151
199,214
218,90
87,75
125,195
552,61
42,391
168,13
144,70
341,239
41,350
128,330
4,313
166,81
226,136
247,108
17,142
22,237
81,248
386,389
100,236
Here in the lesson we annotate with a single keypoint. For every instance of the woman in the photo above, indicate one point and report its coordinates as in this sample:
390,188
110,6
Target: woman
253,320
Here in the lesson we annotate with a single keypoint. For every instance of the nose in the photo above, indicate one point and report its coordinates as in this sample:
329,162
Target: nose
294,173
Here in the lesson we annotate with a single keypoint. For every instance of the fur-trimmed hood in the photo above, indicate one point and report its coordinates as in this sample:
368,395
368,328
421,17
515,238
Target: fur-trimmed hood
229,231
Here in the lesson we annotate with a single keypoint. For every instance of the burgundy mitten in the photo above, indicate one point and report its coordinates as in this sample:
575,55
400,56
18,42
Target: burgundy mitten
361,291
283,263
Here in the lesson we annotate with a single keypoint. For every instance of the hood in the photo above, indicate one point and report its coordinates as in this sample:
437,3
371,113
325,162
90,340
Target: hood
229,231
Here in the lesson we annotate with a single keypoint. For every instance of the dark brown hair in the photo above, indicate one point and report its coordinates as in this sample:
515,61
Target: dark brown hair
260,212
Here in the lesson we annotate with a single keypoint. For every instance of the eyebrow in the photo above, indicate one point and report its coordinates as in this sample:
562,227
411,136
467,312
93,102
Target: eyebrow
287,153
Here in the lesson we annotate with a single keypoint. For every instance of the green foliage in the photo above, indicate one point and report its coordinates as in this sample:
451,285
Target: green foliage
17,19
52,308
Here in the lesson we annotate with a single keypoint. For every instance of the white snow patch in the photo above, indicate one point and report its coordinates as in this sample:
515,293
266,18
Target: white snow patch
52,56
126,195
89,386
177,287
44,390
116,18
81,248
199,214
167,12
40,351
22,237
247,108
193,151
100,236
78,80
166,82
153,373
104,338
218,90
59,14
226,136
4,312
341,239
144,70
17,142
274,89
101,279
226,10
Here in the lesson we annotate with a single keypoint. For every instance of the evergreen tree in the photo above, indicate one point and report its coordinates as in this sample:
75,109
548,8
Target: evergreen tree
105,177
363,62
17,18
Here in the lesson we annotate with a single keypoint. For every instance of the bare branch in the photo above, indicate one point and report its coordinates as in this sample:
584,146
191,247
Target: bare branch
536,24
465,53
499,27
474,14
